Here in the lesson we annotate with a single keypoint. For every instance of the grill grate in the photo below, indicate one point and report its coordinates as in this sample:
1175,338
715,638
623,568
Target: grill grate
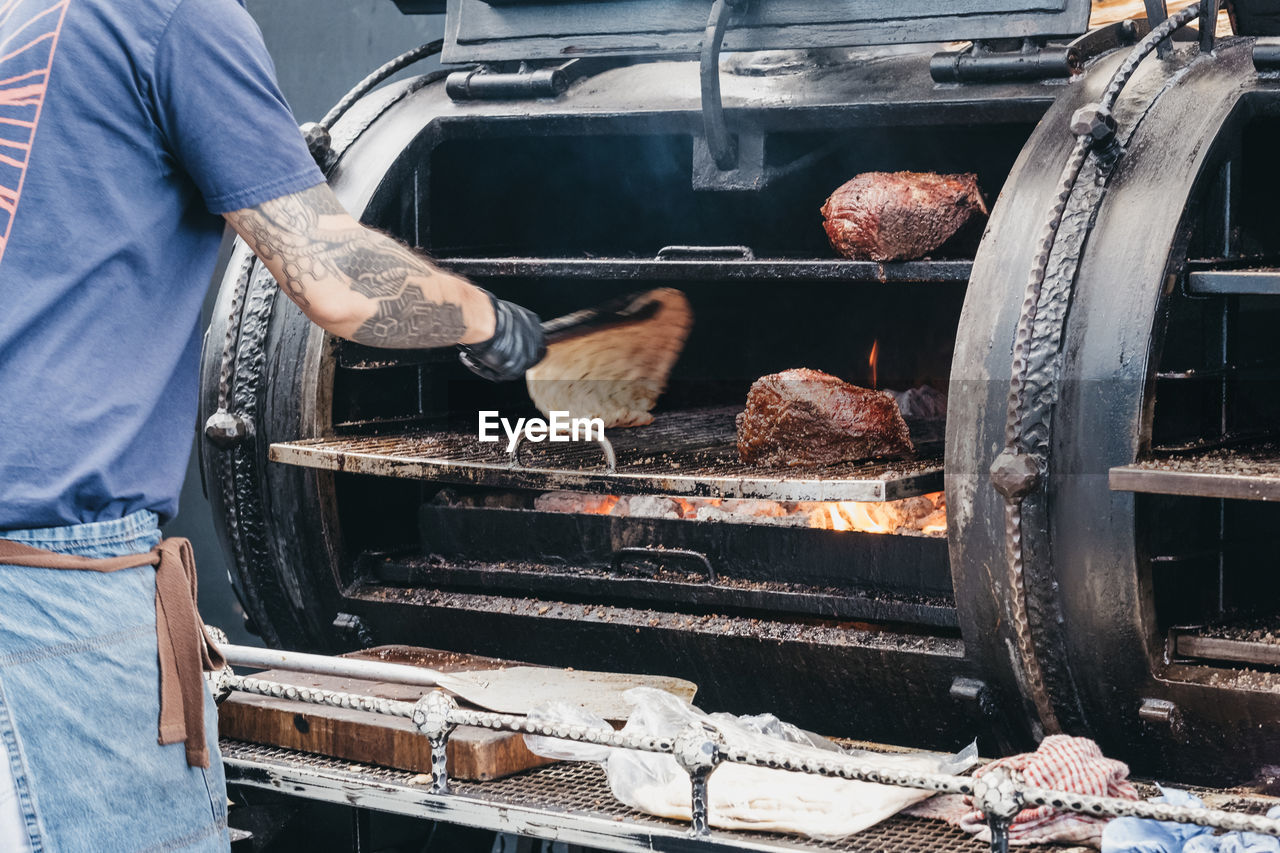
566,793
720,269
1247,472
690,453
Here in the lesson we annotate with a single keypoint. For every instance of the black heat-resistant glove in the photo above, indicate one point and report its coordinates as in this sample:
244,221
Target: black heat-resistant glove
517,344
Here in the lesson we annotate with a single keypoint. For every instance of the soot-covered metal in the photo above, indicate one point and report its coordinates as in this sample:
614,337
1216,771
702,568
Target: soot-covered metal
359,508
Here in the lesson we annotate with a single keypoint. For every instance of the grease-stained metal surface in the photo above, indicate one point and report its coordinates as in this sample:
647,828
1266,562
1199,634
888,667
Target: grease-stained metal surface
682,269
1250,472
565,801
665,587
830,632
691,453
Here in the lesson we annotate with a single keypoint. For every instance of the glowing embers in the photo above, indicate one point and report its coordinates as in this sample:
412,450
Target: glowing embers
925,515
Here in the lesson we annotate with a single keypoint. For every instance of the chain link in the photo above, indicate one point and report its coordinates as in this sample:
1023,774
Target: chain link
857,770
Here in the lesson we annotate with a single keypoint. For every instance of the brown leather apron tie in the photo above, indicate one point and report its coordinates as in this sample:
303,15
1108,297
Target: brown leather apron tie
184,648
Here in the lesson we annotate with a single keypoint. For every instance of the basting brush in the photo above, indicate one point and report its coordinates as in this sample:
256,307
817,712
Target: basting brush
612,361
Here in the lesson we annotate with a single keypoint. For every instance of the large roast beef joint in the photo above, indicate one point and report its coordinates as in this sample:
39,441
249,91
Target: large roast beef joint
925,392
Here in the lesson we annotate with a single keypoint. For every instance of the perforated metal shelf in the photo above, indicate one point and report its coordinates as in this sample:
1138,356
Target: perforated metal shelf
689,453
567,802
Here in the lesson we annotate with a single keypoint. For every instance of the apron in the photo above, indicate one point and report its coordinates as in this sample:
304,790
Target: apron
96,759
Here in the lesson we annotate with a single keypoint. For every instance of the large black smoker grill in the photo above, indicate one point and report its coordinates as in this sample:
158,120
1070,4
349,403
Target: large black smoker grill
1127,588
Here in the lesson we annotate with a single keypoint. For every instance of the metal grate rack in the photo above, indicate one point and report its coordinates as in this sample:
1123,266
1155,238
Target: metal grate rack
695,268
696,749
568,801
688,453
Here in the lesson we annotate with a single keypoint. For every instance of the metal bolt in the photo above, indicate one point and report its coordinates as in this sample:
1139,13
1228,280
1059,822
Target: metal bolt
226,430
319,143
1014,474
1095,123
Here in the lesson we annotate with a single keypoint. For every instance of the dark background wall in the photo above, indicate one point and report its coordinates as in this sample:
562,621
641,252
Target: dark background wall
321,49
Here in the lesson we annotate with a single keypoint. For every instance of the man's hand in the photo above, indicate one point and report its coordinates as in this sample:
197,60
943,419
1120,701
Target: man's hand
361,284
517,344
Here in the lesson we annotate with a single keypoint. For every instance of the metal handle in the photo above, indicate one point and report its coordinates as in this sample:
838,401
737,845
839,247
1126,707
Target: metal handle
631,308
606,447
649,552
722,146
368,670
705,253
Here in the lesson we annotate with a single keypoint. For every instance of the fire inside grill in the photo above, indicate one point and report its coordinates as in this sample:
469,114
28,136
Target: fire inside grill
923,515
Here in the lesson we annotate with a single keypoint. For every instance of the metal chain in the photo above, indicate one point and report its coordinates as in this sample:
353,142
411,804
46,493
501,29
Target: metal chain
316,696
562,731
992,793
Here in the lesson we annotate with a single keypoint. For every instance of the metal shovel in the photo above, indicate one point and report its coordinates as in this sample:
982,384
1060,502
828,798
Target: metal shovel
513,690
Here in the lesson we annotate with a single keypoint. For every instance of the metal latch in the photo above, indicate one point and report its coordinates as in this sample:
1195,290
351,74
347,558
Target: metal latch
488,82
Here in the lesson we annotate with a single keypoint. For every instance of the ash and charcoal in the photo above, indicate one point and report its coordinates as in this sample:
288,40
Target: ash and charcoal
1254,460
1261,632
809,630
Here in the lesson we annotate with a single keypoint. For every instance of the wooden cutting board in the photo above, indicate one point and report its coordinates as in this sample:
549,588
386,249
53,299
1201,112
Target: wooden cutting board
474,753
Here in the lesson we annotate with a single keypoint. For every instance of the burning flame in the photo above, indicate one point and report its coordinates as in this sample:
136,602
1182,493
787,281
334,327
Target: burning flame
847,515
871,360
926,514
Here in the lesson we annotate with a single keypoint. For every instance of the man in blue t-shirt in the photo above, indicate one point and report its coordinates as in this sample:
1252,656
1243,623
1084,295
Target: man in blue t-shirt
129,131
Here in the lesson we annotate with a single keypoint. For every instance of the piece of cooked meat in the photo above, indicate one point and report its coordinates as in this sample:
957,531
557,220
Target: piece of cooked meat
887,216
805,417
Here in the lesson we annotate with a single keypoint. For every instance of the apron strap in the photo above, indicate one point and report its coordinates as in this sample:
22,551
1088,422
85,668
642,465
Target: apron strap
185,650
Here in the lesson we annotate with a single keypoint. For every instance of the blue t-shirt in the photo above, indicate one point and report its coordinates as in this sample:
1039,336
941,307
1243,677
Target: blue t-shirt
125,126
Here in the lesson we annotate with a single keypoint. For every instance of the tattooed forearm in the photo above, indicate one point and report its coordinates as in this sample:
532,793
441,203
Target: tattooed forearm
409,319
313,246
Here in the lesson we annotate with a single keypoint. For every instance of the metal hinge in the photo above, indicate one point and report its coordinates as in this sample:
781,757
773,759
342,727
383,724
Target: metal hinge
494,83
1007,60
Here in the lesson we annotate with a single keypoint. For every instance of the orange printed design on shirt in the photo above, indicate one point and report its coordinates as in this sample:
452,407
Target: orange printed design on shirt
29,31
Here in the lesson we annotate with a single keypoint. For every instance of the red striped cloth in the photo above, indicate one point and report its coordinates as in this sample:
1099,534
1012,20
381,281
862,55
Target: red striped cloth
1062,763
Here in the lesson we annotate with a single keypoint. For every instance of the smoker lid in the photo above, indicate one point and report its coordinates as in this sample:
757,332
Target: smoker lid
498,30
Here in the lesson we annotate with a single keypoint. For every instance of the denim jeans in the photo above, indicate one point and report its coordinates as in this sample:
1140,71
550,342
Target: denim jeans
80,704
